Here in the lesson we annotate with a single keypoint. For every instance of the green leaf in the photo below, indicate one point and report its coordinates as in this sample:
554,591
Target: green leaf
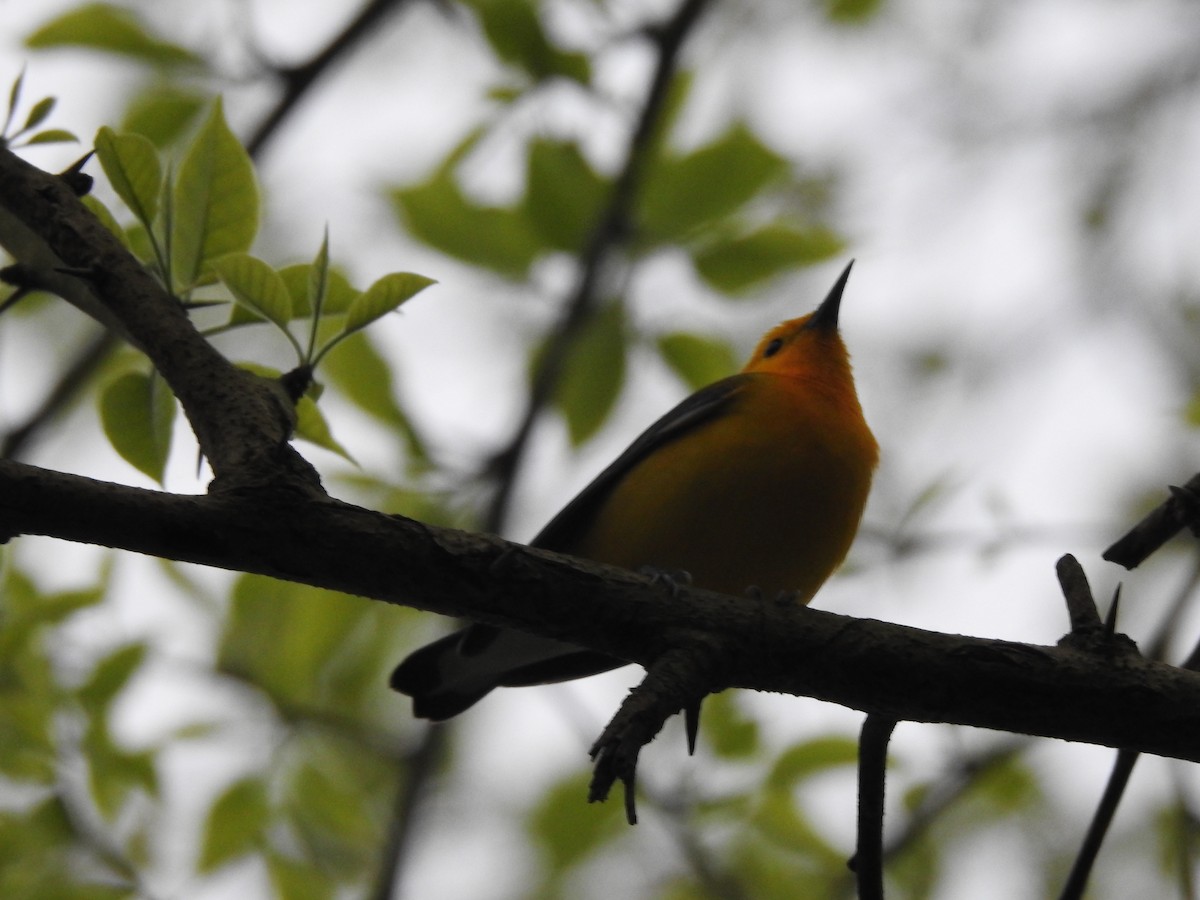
297,880
138,412
52,136
236,823
134,171
362,375
564,194
684,193
339,293
736,264
515,33
256,287
567,828
112,29
730,733
40,112
312,427
594,375
852,12
115,773
497,238
698,360
111,675
14,98
162,112
810,758
215,205
101,212
382,297
291,666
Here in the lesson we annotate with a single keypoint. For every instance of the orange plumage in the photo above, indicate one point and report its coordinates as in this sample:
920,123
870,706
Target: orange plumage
757,480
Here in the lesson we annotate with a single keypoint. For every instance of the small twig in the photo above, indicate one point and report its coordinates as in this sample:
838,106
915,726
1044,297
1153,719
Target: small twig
1163,523
299,79
872,777
1101,820
419,764
611,230
1081,606
1118,778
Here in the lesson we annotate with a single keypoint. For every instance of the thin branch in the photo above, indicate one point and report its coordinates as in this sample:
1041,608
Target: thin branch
612,229
298,80
73,381
872,781
1118,778
1163,523
418,767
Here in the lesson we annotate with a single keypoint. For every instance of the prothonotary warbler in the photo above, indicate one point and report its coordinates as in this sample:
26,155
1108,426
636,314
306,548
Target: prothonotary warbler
758,480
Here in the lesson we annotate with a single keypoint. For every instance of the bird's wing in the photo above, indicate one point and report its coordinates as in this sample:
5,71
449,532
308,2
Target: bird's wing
562,531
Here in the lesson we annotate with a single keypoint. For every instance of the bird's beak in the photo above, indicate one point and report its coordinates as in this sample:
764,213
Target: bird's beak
826,316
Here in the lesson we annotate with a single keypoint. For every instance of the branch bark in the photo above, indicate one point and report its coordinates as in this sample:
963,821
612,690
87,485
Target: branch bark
1117,700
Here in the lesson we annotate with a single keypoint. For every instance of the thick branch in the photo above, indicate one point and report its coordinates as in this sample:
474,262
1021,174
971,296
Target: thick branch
240,422
1118,700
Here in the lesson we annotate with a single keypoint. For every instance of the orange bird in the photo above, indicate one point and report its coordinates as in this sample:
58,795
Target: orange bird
759,479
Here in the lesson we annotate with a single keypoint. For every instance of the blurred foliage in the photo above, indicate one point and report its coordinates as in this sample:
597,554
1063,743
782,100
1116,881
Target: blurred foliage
87,812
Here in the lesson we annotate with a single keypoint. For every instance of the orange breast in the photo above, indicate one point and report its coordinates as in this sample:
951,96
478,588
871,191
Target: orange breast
769,493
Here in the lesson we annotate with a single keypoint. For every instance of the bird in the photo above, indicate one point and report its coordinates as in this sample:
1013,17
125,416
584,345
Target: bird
755,483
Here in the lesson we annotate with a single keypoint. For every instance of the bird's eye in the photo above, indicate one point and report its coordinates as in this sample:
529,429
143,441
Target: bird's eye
772,348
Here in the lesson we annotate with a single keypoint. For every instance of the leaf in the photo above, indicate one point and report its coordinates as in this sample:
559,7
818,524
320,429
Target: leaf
296,880
312,427
111,675
255,286
730,732
382,297
112,29
134,171
215,206
138,412
40,112
52,136
515,33
339,293
698,360
567,829
564,194
496,238
162,112
366,379
739,263
852,12
236,823
684,193
594,375
101,212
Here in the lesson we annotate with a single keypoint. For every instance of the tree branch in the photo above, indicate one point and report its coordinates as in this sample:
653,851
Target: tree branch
242,424
610,231
1114,699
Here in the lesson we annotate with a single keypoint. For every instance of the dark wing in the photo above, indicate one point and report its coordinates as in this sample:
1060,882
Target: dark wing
451,674
560,533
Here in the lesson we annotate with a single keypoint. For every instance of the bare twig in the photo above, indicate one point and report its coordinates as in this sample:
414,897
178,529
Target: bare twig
611,230
1162,524
299,79
872,780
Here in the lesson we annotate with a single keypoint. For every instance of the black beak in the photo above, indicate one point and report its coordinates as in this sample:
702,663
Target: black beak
826,316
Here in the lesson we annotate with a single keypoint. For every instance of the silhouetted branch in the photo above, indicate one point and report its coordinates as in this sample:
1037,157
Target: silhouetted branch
612,229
